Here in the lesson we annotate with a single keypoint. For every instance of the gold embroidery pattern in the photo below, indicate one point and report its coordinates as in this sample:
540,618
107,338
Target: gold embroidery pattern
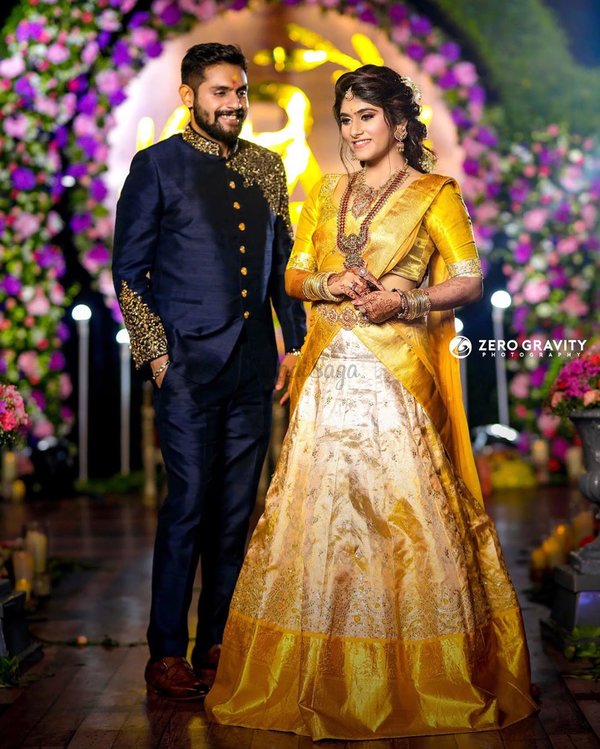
302,261
199,143
259,166
348,317
328,207
409,556
146,331
465,268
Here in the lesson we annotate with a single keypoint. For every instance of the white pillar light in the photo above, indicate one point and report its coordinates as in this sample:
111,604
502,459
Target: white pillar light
82,315
462,364
501,300
125,358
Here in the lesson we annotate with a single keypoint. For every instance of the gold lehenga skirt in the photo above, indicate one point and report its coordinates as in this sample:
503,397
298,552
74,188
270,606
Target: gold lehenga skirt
374,600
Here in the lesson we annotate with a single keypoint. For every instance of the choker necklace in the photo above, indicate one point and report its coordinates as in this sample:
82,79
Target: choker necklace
352,245
365,195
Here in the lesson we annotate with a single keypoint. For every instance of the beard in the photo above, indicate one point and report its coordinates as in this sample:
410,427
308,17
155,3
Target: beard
215,129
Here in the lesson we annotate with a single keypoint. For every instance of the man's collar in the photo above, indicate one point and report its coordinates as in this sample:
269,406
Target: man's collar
200,143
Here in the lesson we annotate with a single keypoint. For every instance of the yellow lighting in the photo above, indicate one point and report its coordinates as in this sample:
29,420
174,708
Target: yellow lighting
176,122
366,50
426,114
145,133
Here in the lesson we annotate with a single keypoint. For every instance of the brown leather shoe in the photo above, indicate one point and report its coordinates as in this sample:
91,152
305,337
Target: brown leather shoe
174,678
205,664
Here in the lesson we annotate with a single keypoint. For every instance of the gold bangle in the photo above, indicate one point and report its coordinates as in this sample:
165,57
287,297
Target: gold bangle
418,304
315,287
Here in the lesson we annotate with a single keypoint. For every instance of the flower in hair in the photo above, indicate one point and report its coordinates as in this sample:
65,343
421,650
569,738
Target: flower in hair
412,86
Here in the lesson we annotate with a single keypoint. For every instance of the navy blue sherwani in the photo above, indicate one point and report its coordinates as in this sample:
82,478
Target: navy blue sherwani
201,245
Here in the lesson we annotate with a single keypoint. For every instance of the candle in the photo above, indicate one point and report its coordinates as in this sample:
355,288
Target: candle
537,564
9,472
539,457
23,565
18,491
582,525
574,463
554,553
22,584
36,543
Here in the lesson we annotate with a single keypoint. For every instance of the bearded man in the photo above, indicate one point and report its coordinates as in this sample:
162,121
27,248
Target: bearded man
201,244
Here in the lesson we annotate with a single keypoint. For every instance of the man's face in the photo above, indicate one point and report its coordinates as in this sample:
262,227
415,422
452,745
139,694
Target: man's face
220,104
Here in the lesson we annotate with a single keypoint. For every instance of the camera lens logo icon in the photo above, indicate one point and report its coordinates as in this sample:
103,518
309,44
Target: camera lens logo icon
460,347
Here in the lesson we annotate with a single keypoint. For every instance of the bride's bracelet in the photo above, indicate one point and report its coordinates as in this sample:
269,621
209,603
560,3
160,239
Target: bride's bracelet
315,287
415,303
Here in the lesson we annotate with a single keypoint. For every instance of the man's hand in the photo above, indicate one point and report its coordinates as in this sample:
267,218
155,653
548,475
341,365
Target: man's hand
378,306
157,364
285,372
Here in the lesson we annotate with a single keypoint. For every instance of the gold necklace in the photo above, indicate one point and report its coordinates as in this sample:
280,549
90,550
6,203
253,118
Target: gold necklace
352,245
364,195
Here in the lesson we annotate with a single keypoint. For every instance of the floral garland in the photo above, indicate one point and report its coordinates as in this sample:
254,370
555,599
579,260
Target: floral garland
65,67
552,263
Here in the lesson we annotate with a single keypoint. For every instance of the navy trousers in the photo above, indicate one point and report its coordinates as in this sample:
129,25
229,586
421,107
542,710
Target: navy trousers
213,438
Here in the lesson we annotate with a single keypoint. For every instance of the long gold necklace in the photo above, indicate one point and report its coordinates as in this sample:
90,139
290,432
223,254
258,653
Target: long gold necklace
352,245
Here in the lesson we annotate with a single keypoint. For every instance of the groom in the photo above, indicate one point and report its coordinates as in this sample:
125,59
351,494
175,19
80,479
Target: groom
201,243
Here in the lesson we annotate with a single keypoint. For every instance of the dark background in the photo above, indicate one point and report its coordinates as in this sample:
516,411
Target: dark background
580,21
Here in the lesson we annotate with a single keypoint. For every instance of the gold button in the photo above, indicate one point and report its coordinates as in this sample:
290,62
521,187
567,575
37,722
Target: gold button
244,293
232,184
242,227
244,271
246,314
243,249
237,206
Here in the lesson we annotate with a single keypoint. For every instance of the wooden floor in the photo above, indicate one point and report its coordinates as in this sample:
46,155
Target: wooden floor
94,698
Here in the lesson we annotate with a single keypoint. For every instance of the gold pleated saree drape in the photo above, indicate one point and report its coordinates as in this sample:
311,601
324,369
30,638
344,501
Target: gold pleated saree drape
374,601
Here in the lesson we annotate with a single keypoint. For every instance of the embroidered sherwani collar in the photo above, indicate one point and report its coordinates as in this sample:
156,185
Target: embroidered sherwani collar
200,143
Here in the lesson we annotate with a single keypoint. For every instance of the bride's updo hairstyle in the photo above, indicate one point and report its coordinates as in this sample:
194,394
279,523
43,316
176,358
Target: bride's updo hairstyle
398,97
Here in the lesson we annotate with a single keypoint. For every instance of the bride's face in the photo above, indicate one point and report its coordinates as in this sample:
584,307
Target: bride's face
364,129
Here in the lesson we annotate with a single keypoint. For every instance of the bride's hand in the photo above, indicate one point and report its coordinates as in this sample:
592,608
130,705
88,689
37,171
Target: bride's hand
379,306
353,284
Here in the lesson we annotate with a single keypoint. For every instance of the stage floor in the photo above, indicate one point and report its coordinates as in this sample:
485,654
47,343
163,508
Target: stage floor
94,698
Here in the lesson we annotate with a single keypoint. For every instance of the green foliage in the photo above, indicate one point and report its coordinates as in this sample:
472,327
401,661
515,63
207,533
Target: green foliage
526,61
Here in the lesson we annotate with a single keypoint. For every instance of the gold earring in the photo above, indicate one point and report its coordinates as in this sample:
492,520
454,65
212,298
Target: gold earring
400,136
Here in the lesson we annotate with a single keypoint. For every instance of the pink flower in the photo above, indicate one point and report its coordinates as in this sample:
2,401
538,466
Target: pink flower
108,82
557,397
8,421
567,245
83,124
142,37
12,67
90,53
434,64
16,126
591,397
548,424
65,386
573,304
39,305
519,385
42,428
465,73
535,219
28,364
57,54
25,225
536,290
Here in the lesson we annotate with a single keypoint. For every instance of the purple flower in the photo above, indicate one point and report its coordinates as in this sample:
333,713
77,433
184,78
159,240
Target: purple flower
61,137
3,365
117,97
563,213
76,170
460,119
11,285
471,166
523,252
537,376
121,54
103,39
2,224
154,49
88,145
448,80
62,331
558,278
98,190
519,319
420,26
23,179
239,4
80,222
367,16
24,88
171,15
57,361
450,50
398,13
139,19
492,190
519,191
87,103
98,254
477,95
487,137
29,30
38,398
415,51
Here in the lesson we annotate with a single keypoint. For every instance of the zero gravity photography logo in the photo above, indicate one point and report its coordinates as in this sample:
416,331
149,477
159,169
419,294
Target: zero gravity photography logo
460,347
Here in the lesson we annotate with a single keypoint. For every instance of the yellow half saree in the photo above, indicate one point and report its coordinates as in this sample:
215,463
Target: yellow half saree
374,601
